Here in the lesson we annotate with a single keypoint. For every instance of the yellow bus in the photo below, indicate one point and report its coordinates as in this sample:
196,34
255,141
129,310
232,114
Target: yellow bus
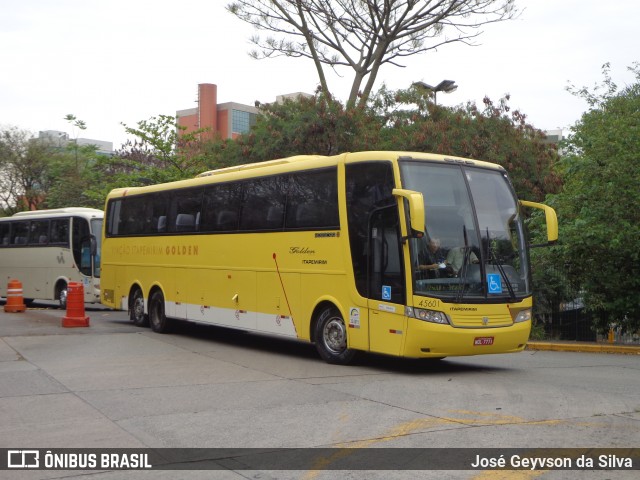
338,251
47,249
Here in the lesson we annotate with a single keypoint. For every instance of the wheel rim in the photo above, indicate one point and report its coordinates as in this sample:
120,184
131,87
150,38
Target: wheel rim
334,335
63,297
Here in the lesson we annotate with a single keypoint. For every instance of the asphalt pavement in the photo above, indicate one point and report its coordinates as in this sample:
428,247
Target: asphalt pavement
112,384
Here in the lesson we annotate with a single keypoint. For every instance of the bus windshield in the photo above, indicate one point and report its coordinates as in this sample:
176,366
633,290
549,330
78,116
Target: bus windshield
96,230
473,248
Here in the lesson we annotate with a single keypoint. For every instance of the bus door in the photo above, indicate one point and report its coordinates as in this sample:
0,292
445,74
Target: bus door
81,247
386,283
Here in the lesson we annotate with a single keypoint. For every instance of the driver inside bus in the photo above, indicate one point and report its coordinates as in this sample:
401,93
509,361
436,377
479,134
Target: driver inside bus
432,259
438,264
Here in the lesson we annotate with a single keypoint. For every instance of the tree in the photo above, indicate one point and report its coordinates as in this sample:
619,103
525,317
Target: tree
364,35
598,207
495,133
405,120
77,125
315,125
160,151
69,173
24,163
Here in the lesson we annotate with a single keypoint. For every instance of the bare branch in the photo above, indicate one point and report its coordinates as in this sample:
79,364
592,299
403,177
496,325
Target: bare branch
364,34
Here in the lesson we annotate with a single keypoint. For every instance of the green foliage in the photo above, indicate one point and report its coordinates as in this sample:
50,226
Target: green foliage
537,332
405,120
494,134
25,170
74,165
159,152
598,206
315,125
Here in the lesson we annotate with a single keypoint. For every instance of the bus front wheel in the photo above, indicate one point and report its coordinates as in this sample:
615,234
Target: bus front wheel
157,318
136,309
62,294
331,337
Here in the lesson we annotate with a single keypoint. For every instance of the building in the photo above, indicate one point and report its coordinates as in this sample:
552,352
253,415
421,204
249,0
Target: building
292,96
61,139
226,119
554,136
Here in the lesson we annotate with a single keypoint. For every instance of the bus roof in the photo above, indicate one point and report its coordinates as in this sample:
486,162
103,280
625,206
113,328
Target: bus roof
59,212
296,163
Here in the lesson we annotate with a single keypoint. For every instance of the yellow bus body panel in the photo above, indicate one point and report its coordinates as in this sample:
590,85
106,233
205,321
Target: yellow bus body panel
473,325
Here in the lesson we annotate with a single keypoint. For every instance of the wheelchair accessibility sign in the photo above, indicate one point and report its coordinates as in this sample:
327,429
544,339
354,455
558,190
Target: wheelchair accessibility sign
386,292
494,283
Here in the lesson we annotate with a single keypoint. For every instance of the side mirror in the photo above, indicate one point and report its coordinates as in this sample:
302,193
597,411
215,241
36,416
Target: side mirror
550,217
416,209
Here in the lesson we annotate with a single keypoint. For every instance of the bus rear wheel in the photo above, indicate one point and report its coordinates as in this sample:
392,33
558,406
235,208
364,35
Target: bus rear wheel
136,309
157,318
331,337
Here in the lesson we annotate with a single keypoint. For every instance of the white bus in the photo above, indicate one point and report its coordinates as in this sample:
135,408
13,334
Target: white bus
47,249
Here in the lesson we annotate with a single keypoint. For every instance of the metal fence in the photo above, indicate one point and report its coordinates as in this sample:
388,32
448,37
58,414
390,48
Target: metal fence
559,313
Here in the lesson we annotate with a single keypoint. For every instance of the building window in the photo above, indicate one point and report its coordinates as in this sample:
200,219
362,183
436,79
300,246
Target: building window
241,122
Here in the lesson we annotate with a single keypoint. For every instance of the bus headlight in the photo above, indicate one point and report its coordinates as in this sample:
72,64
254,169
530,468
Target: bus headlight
523,316
427,315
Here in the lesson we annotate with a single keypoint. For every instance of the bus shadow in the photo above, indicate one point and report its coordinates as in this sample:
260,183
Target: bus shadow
302,350
245,339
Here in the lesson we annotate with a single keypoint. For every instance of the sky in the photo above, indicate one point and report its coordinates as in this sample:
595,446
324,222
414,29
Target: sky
122,61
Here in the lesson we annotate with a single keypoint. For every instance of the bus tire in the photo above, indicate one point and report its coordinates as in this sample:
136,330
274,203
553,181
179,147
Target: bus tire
331,337
157,318
136,309
62,293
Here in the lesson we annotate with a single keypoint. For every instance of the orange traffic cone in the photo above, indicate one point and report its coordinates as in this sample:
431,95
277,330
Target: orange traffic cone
15,302
75,316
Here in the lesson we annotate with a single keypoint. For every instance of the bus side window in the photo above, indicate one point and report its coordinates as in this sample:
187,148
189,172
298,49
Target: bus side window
158,214
220,207
262,195
185,222
20,233
59,231
39,232
227,220
312,202
5,233
185,206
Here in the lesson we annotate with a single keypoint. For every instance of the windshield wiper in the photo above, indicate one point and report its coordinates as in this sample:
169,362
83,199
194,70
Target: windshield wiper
498,265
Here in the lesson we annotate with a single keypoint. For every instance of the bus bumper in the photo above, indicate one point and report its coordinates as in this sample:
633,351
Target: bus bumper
429,340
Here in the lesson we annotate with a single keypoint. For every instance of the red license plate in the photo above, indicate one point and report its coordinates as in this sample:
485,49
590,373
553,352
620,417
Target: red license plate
483,341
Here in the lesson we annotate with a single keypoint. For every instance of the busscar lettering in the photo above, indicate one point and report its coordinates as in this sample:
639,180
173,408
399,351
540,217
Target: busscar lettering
307,251
184,250
301,251
156,250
